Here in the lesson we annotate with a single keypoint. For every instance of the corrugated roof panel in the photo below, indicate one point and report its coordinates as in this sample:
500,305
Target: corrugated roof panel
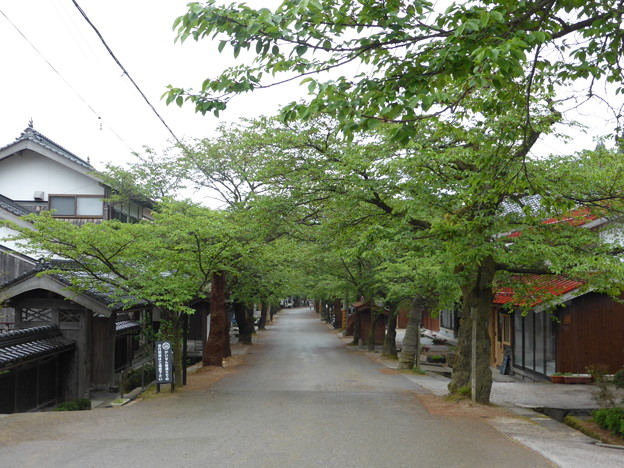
539,288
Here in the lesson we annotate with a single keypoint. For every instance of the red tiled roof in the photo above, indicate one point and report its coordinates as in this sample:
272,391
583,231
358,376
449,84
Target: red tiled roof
575,218
538,288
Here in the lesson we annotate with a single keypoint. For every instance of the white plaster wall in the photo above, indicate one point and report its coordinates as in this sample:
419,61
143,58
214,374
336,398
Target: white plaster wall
23,174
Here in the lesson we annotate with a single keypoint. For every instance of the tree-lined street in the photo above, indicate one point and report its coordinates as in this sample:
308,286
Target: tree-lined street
299,399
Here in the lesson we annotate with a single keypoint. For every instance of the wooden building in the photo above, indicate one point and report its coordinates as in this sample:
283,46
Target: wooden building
586,329
101,340
363,315
36,175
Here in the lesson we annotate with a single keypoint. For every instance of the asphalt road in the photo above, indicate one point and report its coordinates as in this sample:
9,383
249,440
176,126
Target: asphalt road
301,399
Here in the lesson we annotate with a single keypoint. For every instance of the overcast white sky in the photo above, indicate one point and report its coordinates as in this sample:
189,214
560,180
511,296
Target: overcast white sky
88,89
65,104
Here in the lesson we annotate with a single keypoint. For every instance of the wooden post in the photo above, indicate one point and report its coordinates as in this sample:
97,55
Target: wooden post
184,349
473,356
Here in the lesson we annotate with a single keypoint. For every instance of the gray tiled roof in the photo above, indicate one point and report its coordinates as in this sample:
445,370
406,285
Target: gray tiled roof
19,346
33,135
110,300
516,206
127,327
12,207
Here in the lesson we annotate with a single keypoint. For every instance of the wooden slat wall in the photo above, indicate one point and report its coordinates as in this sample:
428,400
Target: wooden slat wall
102,343
591,332
430,323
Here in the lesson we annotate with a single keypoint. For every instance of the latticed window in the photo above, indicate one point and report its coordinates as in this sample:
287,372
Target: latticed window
36,315
71,316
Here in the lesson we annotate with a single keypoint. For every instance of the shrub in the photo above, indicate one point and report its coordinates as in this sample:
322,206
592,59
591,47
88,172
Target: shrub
80,404
604,396
132,379
618,379
611,419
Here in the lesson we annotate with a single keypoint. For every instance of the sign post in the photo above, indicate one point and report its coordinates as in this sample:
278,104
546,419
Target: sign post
164,364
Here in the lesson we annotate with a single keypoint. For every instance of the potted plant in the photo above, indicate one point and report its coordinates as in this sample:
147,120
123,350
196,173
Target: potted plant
570,378
438,359
557,377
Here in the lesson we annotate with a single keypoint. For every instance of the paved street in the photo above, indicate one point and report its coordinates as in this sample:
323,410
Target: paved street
300,399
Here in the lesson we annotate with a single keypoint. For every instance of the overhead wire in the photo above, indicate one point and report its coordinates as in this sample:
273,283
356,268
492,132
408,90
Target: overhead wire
67,83
49,64
84,15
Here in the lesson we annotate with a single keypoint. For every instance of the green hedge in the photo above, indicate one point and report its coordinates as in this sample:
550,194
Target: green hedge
610,418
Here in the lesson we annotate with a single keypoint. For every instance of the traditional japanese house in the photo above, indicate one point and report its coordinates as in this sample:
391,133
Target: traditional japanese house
584,330
81,342
362,319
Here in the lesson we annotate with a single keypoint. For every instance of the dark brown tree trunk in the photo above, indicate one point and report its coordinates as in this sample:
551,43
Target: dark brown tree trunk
356,327
370,345
227,348
213,351
337,307
264,309
410,352
474,335
325,314
389,348
244,328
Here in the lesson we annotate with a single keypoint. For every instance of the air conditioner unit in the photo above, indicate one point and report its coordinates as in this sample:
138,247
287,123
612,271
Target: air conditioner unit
39,195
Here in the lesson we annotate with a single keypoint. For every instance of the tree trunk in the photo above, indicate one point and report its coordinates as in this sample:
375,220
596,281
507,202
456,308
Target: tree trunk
410,352
356,328
389,348
176,344
461,364
325,314
264,309
249,310
337,307
370,345
390,338
244,329
477,309
213,351
227,349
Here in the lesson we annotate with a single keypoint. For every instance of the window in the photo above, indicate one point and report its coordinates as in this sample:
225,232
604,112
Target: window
63,206
128,212
535,342
76,205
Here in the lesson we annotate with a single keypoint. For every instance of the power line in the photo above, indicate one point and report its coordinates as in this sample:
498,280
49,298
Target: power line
124,70
63,78
49,64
